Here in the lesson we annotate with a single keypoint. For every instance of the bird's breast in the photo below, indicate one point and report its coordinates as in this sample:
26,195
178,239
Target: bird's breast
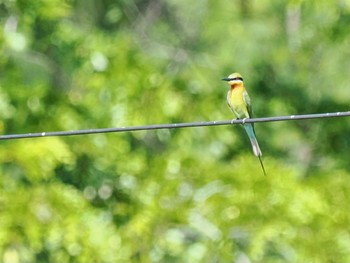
236,102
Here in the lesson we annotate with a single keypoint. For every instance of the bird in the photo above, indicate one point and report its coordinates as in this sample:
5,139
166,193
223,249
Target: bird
239,102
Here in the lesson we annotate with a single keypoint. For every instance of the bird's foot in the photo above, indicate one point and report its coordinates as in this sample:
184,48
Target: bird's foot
233,120
243,121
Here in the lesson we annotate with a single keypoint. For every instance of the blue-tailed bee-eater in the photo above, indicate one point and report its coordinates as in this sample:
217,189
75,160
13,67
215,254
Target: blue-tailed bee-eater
239,102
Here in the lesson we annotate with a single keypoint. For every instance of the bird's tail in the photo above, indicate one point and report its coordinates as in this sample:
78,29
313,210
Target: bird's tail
251,134
249,128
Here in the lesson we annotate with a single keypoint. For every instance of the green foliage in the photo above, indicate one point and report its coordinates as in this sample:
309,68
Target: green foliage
182,195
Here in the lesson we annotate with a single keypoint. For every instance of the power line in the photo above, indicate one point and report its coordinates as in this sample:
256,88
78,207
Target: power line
174,125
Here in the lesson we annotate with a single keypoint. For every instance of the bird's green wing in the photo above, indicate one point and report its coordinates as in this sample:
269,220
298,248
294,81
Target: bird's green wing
248,103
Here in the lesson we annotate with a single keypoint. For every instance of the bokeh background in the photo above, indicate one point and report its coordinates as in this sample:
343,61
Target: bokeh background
181,195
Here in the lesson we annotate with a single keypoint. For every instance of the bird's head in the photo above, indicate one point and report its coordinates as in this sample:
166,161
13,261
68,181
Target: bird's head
234,78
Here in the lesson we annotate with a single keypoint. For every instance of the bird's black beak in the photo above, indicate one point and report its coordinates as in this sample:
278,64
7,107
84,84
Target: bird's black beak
226,79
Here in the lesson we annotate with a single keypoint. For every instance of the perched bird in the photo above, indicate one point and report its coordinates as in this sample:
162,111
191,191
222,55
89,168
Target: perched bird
239,102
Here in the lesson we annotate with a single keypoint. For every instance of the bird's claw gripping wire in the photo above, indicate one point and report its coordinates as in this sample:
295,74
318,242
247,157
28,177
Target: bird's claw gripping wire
243,120
233,121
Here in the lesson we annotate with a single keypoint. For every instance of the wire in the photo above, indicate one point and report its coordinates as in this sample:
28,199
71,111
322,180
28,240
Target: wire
174,125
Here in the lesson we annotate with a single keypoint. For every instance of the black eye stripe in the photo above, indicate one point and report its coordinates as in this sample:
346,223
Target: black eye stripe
230,79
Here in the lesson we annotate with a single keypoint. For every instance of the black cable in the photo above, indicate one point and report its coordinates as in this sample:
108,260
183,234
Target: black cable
174,125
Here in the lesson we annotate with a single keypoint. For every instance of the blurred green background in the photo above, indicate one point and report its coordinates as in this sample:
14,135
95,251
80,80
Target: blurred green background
182,195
